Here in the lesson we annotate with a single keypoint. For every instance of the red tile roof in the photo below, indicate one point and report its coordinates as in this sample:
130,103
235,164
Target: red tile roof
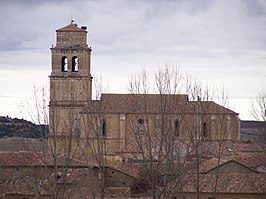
20,159
210,164
152,103
228,183
23,159
252,160
231,148
65,160
71,28
126,168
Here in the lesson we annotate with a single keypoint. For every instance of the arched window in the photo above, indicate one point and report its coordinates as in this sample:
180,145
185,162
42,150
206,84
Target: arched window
204,129
176,132
104,128
75,64
76,129
64,64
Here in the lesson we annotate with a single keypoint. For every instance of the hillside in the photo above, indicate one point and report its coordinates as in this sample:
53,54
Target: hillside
14,127
253,131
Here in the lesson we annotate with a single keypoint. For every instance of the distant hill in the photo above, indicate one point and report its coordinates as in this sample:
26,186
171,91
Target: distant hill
14,127
253,131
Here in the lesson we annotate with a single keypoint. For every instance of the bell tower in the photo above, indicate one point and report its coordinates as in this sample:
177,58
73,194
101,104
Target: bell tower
70,81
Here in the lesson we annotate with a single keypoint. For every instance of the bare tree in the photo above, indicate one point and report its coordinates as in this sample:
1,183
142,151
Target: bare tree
210,125
258,107
83,134
60,156
168,126
95,134
155,126
35,107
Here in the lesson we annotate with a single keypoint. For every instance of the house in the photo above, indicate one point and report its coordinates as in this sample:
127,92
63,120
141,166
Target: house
226,186
31,174
216,166
220,178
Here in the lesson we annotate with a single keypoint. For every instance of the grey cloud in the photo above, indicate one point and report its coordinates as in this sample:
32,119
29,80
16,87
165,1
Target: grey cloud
214,39
216,26
256,8
30,3
189,28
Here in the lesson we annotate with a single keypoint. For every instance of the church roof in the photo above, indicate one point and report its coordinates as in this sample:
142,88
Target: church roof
152,103
71,28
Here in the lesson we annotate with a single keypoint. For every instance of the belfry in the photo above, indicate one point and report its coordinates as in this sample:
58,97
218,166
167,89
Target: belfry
70,81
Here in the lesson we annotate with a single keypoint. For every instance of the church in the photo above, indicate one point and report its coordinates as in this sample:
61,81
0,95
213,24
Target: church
134,145
121,122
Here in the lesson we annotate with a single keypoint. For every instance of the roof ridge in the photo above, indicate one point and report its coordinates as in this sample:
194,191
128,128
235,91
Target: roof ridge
71,28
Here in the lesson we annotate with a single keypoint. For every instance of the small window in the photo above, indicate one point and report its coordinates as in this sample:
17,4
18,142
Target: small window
77,123
104,128
17,173
141,121
75,64
76,128
176,132
64,64
204,129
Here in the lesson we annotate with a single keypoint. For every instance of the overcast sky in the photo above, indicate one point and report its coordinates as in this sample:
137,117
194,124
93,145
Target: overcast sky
219,42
